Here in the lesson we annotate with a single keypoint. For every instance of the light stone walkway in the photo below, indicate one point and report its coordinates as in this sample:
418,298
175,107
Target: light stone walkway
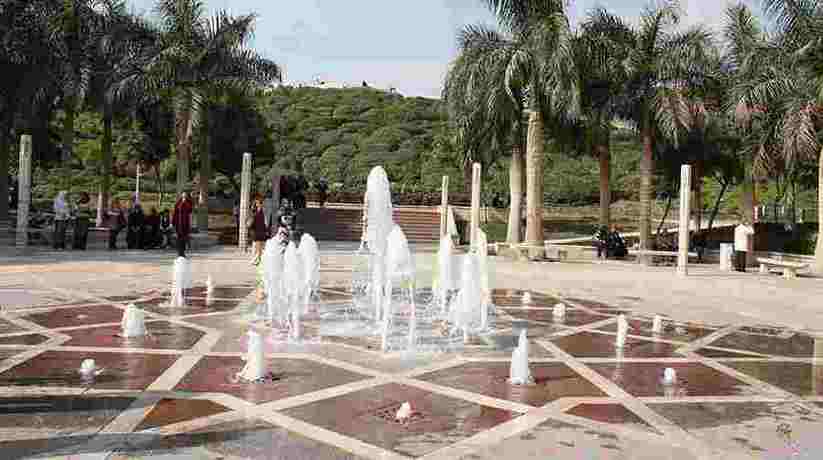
619,419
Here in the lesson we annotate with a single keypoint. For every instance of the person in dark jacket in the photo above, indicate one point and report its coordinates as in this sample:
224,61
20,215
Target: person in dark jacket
181,219
135,223
116,223
259,229
601,240
82,220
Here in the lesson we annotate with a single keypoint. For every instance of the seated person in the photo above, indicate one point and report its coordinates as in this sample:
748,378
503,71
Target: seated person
601,237
616,244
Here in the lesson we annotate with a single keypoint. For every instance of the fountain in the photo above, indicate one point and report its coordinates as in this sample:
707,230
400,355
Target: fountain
379,224
88,370
669,376
445,275
519,372
399,267
310,257
255,368
483,256
527,298
272,272
559,310
404,412
181,281
209,286
293,287
657,324
133,323
622,330
468,313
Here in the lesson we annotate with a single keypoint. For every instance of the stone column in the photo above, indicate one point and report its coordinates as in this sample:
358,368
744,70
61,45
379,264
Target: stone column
444,207
685,208
23,191
245,190
137,187
475,215
98,222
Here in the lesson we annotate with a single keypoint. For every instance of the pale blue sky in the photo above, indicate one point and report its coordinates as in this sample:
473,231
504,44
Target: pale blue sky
407,44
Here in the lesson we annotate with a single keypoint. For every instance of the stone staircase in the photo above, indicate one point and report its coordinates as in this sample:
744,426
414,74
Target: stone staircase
344,224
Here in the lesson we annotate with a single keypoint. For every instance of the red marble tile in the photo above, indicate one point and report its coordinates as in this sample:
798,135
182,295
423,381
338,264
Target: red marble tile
679,332
710,352
552,381
802,379
122,371
193,306
593,304
616,414
438,420
292,377
161,335
66,413
694,379
220,292
595,345
28,339
247,439
797,346
77,316
171,411
124,298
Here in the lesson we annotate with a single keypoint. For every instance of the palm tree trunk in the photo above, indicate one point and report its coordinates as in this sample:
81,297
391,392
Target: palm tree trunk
5,132
68,137
516,194
698,193
182,126
818,250
106,149
665,215
467,177
534,178
603,150
205,176
716,207
646,190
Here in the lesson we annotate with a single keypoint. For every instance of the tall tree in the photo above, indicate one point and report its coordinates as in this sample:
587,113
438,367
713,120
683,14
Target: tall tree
201,56
662,62
534,54
789,90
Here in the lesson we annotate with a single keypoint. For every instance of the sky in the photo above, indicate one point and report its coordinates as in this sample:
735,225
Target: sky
406,44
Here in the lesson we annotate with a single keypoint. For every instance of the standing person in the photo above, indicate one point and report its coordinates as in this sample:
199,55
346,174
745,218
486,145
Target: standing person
601,239
82,220
742,244
181,220
116,223
61,217
138,221
259,229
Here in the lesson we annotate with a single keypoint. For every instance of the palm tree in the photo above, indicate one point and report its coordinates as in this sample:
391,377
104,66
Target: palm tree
487,113
787,94
200,56
534,49
599,48
661,63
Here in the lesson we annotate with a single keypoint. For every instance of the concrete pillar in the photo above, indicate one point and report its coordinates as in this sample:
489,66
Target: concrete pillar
137,186
475,216
245,191
444,207
23,191
98,222
685,208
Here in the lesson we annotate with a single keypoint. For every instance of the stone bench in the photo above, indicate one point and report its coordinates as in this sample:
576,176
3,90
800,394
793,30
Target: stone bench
663,254
789,268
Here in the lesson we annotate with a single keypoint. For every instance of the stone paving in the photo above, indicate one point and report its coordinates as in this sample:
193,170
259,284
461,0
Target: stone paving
749,386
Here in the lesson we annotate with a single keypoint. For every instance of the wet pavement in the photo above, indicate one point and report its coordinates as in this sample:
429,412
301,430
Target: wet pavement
750,390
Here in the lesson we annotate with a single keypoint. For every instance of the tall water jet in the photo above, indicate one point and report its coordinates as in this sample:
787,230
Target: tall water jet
310,258
293,287
272,272
669,376
445,274
181,281
209,285
379,224
527,298
400,268
255,368
519,372
622,330
467,313
657,324
134,322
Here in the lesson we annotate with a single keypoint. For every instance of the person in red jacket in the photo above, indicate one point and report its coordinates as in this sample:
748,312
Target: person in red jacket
181,219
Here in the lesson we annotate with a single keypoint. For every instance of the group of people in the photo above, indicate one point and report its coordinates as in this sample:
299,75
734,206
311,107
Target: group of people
610,244
67,211
261,227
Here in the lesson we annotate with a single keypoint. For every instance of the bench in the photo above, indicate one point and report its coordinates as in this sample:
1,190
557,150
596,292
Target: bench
789,268
556,252
662,254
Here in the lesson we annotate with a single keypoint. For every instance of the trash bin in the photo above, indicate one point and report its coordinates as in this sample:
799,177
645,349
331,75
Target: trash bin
726,251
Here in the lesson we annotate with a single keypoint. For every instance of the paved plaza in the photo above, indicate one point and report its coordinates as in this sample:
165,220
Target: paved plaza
749,367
